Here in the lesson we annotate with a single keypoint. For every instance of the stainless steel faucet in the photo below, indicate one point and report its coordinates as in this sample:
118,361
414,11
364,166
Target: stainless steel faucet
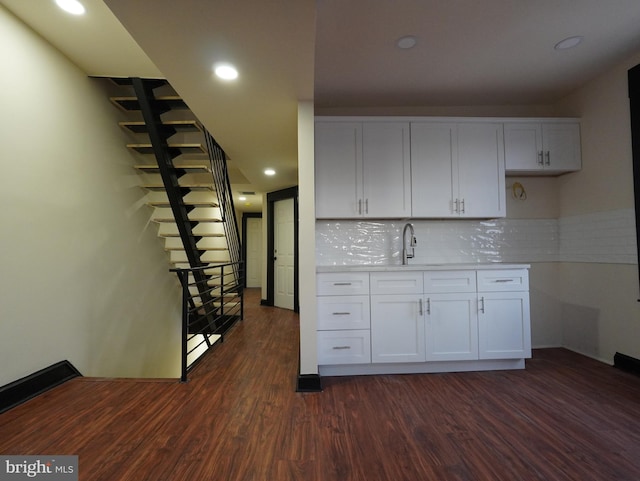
412,243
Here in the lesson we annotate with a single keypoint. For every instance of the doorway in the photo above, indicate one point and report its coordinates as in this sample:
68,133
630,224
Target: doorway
282,249
252,249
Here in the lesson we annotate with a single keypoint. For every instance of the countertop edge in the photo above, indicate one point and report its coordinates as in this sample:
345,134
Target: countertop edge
420,267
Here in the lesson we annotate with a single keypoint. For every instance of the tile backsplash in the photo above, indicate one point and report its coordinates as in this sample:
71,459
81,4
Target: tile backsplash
605,237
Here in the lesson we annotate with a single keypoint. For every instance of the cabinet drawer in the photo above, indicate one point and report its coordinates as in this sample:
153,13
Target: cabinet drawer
342,283
503,280
344,347
397,283
443,282
343,312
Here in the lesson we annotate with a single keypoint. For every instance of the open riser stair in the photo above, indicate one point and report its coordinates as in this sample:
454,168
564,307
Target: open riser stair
184,173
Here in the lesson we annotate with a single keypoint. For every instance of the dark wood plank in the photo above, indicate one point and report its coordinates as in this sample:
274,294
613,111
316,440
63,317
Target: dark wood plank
565,417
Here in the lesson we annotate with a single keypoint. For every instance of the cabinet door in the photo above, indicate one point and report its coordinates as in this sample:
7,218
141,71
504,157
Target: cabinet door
504,330
523,147
433,149
397,329
480,172
338,169
451,325
387,169
561,145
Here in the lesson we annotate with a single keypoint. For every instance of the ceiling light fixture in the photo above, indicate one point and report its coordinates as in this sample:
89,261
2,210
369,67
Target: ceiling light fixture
73,7
569,42
225,71
407,42
242,197
269,172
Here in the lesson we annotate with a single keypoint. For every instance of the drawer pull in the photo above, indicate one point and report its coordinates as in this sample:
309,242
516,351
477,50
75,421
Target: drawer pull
503,280
341,313
340,348
342,283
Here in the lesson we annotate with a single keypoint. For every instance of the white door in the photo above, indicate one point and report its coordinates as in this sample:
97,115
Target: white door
481,178
433,150
386,187
284,253
397,328
253,262
451,326
504,325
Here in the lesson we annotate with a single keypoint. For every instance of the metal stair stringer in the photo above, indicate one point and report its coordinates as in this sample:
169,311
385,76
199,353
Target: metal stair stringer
158,138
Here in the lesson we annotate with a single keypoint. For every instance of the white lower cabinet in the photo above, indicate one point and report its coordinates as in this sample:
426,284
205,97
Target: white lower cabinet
343,318
504,330
344,347
397,328
438,320
451,327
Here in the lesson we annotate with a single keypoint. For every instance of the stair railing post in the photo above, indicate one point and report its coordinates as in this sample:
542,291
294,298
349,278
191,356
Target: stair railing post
184,280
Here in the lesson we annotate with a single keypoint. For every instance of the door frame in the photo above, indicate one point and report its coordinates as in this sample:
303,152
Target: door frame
272,198
245,216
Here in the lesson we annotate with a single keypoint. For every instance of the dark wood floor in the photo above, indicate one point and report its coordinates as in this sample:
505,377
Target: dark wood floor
565,417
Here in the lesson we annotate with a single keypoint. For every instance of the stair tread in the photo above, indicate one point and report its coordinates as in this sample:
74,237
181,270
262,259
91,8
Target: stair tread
177,234
183,148
192,168
139,127
192,219
193,203
168,102
206,248
192,186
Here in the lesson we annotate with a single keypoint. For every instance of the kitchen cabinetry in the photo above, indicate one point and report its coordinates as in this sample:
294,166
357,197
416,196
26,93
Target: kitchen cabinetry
397,317
423,320
343,318
457,170
362,169
543,148
451,315
504,330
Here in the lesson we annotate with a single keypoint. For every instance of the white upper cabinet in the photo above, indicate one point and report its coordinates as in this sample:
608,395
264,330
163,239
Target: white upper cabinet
457,170
362,169
542,148
338,168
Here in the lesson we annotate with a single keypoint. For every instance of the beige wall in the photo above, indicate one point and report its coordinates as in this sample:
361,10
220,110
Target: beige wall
84,276
600,312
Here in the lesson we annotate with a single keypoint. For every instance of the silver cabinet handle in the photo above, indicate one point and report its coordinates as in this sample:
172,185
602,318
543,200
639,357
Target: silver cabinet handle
366,206
420,307
360,206
342,283
462,206
340,348
548,156
428,306
482,304
340,313
540,158
456,208
503,280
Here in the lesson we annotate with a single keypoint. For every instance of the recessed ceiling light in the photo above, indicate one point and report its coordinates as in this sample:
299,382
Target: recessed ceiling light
569,42
242,198
406,42
226,71
71,6
269,172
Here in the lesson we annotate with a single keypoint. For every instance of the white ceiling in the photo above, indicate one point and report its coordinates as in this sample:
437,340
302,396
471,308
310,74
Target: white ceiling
341,54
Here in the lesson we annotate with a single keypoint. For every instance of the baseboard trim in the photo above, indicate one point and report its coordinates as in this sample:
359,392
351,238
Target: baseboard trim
309,383
30,386
626,363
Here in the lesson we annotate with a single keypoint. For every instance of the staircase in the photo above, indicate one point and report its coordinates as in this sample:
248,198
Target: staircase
184,172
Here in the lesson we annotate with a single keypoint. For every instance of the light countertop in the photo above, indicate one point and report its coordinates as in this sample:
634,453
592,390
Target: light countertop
419,267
